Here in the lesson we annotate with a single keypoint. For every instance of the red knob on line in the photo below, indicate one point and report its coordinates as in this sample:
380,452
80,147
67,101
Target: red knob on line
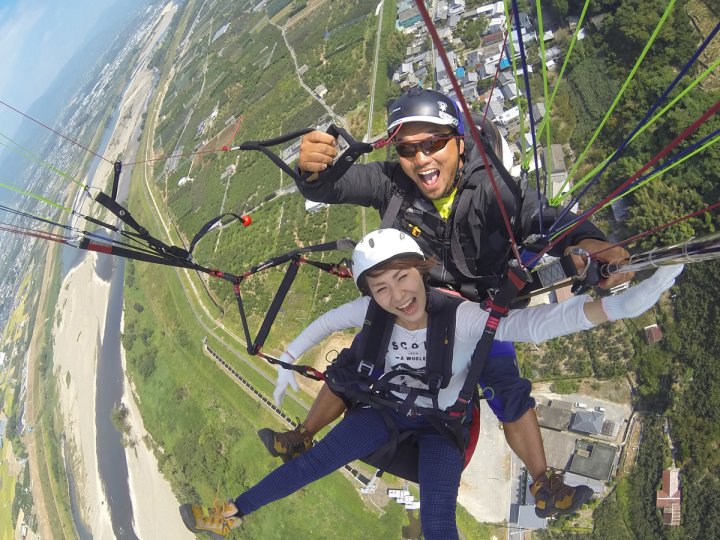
246,220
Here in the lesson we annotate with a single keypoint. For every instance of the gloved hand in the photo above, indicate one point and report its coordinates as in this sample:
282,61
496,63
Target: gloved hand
641,297
285,377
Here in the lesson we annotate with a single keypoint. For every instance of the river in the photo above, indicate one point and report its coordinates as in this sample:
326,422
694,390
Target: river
112,463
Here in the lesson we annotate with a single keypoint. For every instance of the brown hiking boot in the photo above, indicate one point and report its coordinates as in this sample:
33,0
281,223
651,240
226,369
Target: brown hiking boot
552,496
217,521
286,444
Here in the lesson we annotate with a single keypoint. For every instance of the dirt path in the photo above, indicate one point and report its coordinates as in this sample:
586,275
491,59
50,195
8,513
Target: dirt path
33,394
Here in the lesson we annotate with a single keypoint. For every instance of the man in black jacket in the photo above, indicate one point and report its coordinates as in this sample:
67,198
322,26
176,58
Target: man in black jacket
440,192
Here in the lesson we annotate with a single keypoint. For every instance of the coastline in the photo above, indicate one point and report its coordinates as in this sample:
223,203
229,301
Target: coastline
79,324
80,319
155,507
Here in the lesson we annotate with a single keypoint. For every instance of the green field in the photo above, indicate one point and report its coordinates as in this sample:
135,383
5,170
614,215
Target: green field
7,493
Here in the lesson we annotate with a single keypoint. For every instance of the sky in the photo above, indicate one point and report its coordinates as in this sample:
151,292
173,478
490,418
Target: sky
37,38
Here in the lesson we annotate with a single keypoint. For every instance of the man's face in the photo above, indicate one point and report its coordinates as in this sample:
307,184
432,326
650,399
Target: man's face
432,173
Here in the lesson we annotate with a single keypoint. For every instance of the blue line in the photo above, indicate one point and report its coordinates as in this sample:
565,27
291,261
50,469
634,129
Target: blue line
526,76
657,103
657,169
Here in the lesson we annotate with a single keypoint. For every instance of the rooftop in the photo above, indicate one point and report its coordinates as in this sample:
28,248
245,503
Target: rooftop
594,460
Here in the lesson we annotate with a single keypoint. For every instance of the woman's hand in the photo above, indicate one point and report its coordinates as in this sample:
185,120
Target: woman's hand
634,301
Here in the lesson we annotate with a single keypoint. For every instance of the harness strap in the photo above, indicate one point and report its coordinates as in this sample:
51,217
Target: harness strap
388,450
274,308
304,370
392,209
462,209
117,169
515,281
173,252
261,146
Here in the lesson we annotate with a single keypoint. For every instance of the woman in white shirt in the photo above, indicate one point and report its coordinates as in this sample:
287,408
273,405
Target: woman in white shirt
389,266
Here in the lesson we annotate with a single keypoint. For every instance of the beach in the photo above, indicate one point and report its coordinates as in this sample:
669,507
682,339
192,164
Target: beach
79,326
80,318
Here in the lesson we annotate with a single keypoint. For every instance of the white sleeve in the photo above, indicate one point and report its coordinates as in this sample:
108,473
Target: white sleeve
534,324
350,315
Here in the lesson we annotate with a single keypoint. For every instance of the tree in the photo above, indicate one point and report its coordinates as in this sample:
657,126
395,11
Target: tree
658,203
470,31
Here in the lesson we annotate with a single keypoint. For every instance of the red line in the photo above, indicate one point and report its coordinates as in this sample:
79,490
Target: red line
660,227
100,248
224,148
55,132
237,126
677,140
172,156
36,234
473,128
497,72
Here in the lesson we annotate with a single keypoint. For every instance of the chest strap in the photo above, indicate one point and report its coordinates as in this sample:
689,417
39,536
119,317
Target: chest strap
499,307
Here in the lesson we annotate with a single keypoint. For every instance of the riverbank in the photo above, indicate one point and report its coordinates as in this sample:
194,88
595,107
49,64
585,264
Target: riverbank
79,325
79,329
155,508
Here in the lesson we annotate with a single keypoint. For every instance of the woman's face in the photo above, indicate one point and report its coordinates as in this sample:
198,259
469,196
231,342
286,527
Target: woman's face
401,293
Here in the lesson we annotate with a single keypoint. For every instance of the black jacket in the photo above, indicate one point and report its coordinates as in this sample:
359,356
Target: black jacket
475,223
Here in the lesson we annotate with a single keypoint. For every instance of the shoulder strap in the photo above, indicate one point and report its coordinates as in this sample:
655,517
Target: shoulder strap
377,329
440,338
399,193
458,255
375,335
463,207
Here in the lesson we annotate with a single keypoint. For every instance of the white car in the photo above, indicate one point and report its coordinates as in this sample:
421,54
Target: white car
600,409
580,405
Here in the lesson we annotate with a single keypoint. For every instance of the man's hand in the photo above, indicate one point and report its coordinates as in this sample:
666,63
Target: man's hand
603,255
317,151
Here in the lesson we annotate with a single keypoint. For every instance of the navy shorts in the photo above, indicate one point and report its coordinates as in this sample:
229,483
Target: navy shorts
507,394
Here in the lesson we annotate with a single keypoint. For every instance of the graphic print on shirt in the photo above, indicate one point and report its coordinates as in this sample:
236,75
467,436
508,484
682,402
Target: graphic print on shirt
408,351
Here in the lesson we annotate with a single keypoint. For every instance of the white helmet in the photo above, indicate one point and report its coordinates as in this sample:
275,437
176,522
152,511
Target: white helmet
381,246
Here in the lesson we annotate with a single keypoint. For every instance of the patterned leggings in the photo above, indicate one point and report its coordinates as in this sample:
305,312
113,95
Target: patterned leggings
358,435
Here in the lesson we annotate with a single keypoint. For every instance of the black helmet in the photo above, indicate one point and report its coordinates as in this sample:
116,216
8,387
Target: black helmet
419,105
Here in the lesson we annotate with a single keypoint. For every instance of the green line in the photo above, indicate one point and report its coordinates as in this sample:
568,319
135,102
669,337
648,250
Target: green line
630,77
35,196
27,154
543,70
654,175
669,167
556,87
561,196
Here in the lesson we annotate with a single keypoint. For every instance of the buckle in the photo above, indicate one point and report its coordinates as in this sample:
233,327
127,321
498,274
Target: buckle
413,412
365,368
434,381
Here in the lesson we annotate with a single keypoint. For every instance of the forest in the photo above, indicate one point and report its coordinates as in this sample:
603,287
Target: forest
679,378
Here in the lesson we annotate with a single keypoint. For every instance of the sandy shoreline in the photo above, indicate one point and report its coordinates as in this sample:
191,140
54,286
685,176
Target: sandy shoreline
155,508
78,332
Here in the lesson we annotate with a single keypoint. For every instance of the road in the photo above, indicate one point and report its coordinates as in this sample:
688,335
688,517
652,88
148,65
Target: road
371,107
338,119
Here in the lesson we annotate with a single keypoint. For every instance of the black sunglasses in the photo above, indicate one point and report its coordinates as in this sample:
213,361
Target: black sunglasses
427,146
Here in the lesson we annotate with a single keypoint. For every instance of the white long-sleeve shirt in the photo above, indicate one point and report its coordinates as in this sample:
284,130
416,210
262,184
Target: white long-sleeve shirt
407,347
